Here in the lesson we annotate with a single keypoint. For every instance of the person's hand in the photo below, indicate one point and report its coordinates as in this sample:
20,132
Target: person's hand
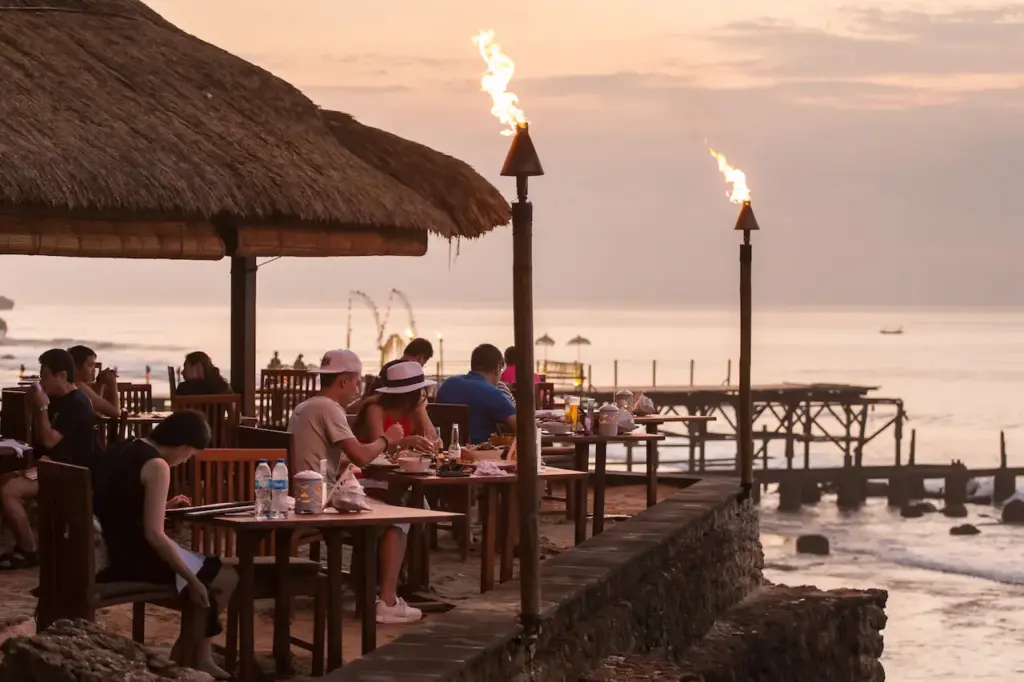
394,434
417,443
197,593
37,398
179,501
107,377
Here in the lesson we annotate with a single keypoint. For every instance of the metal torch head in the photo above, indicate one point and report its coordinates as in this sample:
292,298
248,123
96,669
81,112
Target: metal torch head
522,160
746,220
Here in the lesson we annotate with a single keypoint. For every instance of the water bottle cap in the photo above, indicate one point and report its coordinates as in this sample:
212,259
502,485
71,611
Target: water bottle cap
262,461
280,461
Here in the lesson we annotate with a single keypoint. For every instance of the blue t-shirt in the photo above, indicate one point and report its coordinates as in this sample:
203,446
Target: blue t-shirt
488,406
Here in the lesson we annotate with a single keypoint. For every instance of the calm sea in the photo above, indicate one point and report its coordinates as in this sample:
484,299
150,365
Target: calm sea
957,604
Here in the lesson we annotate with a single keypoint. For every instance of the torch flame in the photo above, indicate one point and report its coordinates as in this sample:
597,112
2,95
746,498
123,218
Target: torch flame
500,69
739,193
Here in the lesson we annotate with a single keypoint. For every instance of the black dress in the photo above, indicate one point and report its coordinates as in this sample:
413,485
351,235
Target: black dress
119,504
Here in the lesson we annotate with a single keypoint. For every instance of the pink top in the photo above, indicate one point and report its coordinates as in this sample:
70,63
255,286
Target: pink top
509,375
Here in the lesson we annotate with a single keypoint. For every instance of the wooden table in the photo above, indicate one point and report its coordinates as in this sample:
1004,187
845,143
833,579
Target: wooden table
582,463
496,492
11,461
249,531
651,423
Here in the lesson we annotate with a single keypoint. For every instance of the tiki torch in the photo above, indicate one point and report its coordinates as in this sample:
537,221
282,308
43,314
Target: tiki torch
522,163
745,223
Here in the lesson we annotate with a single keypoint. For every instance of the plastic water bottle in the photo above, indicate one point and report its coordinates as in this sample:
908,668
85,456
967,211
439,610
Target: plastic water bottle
261,489
454,446
279,491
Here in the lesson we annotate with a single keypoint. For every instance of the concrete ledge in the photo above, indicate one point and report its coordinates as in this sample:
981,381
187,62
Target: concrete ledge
659,579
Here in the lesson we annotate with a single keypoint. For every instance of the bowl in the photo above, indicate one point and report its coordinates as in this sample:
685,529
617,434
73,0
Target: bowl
414,464
555,428
501,439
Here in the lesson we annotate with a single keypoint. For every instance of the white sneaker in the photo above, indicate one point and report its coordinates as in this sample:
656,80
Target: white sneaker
401,612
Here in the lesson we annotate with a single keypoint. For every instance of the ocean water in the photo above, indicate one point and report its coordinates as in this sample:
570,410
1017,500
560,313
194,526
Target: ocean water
956,608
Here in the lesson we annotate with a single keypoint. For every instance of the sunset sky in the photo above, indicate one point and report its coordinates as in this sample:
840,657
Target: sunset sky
882,143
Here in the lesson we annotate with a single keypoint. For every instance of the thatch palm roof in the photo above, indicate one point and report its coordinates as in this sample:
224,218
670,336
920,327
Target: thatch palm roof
449,183
122,135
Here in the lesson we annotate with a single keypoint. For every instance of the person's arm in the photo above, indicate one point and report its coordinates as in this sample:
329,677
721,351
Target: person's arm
426,427
502,410
45,434
375,430
156,479
99,403
338,431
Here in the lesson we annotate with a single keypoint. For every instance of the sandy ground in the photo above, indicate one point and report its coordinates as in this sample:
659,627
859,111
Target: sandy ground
452,580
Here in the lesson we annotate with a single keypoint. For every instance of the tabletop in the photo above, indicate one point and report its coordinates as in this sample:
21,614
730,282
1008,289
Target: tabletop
381,515
579,438
545,474
148,417
672,418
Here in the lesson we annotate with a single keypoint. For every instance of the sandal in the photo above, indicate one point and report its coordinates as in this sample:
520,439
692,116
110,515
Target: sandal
17,559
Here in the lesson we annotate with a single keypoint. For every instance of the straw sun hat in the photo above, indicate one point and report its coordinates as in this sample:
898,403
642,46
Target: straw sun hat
404,377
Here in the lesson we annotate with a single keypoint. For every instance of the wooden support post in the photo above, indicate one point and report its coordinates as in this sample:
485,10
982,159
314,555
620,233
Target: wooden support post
954,492
616,373
693,368
850,494
1005,483
765,441
913,447
654,373
898,431
790,494
243,331
913,482
808,433
728,375
790,428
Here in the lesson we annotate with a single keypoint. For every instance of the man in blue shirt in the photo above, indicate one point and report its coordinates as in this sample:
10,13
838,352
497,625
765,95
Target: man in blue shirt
488,406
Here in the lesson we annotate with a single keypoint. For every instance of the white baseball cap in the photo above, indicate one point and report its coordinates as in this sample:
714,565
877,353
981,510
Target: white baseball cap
339,362
403,377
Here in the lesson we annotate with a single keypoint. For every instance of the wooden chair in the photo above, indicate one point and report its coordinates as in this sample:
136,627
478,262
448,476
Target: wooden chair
281,390
16,414
445,416
136,398
226,475
545,399
172,382
223,414
67,562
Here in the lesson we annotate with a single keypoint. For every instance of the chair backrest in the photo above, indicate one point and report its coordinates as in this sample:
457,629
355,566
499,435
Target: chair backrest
136,398
280,391
545,395
225,475
172,381
67,559
445,416
255,438
223,413
16,414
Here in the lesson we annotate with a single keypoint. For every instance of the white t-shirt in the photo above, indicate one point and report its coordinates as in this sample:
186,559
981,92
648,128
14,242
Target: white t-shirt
318,427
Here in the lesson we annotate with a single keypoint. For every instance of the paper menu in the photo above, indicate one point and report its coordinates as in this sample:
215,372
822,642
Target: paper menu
192,561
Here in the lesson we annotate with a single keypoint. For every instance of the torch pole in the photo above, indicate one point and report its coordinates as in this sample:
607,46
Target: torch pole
526,428
744,423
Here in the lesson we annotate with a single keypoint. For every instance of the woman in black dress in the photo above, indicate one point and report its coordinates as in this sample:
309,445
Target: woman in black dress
201,376
131,487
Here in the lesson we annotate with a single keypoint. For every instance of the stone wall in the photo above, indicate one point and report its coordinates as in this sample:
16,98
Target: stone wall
659,579
796,634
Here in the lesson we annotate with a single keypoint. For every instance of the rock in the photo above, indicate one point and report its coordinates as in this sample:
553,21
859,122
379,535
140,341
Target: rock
812,544
1013,511
916,510
954,511
81,651
965,529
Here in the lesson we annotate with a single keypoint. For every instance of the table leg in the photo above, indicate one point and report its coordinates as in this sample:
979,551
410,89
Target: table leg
246,548
282,601
369,587
332,538
419,552
489,511
510,524
600,464
581,462
582,486
652,467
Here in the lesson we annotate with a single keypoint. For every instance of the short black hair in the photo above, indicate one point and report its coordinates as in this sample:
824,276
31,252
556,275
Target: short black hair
58,360
510,355
485,358
419,348
185,427
80,354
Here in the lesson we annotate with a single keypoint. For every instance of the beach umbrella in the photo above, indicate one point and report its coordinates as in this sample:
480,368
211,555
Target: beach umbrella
545,342
579,342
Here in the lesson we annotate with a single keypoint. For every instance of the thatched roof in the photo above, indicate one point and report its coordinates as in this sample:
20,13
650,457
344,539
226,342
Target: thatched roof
122,135
475,204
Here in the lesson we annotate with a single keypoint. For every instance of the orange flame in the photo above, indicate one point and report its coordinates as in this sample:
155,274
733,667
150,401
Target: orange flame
739,193
500,69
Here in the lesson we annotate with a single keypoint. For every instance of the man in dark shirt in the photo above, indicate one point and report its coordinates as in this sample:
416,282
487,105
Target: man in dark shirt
64,430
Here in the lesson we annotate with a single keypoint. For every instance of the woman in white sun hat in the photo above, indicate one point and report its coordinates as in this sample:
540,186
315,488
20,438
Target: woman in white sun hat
399,399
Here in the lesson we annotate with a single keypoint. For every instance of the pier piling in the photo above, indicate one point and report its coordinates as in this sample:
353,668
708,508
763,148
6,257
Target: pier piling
1004,483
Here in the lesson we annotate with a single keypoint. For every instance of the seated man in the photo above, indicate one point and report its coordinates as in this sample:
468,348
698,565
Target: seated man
489,408
320,430
100,389
64,426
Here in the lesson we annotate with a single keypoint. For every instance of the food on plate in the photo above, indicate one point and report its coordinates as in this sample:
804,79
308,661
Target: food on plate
501,439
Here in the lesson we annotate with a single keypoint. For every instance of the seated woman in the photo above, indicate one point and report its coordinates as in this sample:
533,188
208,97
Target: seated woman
130,502
399,399
201,377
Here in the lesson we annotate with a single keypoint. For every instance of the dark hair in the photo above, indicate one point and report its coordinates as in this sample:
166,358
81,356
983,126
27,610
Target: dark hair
186,427
404,403
510,356
419,348
485,358
58,360
211,374
80,354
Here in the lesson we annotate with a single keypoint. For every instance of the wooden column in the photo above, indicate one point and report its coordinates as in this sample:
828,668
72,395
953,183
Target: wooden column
243,331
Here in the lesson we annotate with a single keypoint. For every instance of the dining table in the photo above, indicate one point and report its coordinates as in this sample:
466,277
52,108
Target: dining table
332,526
15,456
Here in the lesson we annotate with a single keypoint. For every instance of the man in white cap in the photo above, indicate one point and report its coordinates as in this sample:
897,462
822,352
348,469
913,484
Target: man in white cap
320,430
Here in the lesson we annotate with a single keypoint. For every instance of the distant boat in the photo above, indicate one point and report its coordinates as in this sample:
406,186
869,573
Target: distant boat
6,303
893,331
